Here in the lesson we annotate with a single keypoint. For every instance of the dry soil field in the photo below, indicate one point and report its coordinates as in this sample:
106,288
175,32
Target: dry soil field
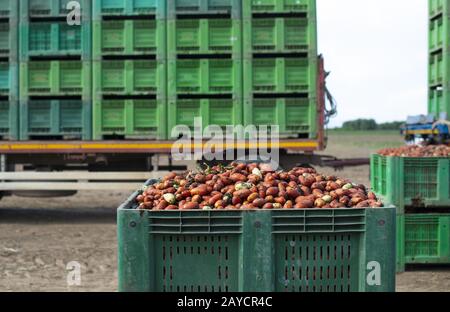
38,237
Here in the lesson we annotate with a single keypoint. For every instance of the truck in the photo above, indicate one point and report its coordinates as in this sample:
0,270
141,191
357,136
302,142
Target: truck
428,129
91,105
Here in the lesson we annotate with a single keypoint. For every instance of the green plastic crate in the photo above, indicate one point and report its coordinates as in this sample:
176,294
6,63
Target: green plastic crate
56,39
55,78
52,8
132,119
280,75
176,8
296,116
438,33
439,101
217,112
205,36
9,120
205,76
9,39
280,35
9,80
129,37
411,182
103,8
9,9
130,77
252,7
65,119
439,70
317,250
424,239
438,7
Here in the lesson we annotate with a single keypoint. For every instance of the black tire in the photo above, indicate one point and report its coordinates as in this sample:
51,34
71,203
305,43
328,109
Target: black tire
44,194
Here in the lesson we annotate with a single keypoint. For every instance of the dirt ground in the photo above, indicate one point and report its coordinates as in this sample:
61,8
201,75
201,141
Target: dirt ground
39,237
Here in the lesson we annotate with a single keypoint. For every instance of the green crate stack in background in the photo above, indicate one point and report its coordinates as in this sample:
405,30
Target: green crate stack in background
439,58
9,87
136,69
129,69
280,65
204,63
420,189
55,70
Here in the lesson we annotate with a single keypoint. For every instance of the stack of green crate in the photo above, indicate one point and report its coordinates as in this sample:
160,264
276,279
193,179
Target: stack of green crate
55,70
420,189
129,69
439,57
280,65
8,70
204,63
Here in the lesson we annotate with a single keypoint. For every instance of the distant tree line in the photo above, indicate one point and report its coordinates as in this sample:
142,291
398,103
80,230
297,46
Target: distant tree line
370,124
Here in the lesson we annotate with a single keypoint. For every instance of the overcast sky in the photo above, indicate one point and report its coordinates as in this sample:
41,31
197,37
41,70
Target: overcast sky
377,53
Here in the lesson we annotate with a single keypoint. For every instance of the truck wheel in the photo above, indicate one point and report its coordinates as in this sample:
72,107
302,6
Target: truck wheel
44,194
